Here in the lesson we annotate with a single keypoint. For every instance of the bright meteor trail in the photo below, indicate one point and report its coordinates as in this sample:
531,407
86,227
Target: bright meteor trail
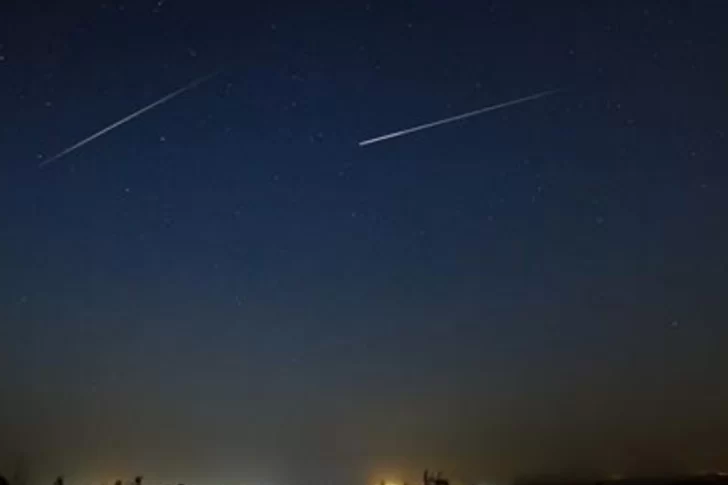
128,118
455,118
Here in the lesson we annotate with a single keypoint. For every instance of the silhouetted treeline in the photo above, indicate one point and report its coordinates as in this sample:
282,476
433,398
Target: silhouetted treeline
706,479
61,481
430,479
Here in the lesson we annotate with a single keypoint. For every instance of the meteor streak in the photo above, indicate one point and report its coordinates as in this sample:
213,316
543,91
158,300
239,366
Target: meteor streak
128,118
456,118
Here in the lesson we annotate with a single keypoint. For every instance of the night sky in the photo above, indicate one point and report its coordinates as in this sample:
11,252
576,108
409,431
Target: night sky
228,290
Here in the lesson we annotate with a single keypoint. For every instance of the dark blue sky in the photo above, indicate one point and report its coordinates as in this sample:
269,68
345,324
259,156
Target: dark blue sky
228,289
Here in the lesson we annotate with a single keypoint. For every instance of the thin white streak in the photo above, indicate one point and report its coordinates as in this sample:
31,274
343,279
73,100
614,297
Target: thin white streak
128,118
455,118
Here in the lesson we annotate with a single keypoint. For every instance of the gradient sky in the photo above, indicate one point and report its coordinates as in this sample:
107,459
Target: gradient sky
229,291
